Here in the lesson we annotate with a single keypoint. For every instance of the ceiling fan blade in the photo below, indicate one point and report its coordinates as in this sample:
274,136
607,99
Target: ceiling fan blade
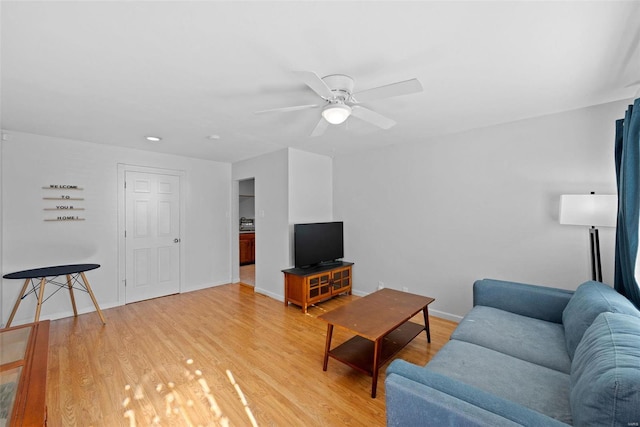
394,89
372,117
320,127
312,80
287,109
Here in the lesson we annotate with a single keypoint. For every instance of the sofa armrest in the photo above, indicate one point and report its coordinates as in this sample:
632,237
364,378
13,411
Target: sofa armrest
419,396
539,302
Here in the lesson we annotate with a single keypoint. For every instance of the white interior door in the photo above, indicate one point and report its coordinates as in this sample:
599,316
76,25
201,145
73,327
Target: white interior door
152,235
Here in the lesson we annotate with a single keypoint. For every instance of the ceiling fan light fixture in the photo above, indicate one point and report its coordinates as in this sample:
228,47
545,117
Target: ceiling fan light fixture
336,113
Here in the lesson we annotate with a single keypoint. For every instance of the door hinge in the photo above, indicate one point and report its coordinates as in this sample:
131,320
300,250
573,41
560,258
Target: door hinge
125,233
125,184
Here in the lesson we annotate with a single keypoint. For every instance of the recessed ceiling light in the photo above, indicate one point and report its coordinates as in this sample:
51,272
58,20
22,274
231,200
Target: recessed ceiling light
153,138
214,136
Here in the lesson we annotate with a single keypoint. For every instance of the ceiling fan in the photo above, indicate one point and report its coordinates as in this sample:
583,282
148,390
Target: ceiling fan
340,101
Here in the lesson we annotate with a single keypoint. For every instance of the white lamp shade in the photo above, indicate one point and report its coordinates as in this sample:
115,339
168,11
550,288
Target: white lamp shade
336,113
597,210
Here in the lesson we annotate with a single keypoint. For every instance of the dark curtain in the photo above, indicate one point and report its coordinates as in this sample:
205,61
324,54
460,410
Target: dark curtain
627,157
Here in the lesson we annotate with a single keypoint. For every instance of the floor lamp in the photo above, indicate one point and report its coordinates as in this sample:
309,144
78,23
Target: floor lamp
592,210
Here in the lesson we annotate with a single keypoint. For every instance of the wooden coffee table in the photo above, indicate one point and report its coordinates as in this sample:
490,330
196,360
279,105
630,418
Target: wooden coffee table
381,324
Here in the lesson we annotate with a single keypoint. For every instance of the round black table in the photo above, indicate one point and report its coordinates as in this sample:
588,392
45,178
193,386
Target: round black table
75,278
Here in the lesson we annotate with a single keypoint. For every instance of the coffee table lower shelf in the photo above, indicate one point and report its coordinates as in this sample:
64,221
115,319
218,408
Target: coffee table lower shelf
358,352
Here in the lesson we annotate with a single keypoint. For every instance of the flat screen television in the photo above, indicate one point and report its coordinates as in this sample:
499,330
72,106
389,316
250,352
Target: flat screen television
317,243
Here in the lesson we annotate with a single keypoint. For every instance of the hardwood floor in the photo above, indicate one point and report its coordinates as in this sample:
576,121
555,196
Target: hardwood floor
248,274
219,356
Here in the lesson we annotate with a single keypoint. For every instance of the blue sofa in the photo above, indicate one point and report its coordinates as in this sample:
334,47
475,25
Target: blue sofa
528,355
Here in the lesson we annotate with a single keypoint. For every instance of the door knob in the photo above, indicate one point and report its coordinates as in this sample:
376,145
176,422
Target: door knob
176,240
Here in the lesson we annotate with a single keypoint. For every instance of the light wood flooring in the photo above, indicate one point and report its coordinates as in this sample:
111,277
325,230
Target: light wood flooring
248,274
219,356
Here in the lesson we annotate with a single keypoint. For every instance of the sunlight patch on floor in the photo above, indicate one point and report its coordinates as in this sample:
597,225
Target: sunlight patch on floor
242,398
171,403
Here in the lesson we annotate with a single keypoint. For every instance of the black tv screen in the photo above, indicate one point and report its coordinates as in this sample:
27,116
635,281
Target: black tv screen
317,243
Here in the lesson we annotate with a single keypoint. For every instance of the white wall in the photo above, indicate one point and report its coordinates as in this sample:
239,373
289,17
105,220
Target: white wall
30,162
271,206
310,190
310,187
434,217
246,187
247,206
290,186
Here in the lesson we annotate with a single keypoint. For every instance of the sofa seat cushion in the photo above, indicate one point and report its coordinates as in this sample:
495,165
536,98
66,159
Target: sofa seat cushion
417,396
526,338
605,375
588,301
536,387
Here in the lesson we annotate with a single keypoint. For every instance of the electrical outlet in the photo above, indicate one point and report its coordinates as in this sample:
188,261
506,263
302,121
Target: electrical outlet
380,285
405,289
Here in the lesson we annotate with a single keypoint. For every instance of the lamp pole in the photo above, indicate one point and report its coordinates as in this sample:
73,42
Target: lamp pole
596,264
592,210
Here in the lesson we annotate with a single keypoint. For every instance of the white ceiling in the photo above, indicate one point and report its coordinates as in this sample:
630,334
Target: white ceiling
112,72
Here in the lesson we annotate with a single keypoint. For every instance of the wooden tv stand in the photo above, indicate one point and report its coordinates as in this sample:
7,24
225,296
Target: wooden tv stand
306,286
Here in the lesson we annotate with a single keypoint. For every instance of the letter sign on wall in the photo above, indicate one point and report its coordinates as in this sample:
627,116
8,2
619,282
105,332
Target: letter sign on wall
66,202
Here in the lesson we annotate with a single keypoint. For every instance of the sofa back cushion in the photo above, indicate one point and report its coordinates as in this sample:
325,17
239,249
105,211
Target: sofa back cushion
605,373
589,300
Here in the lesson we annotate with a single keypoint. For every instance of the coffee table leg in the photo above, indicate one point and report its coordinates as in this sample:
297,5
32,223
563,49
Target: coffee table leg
377,347
425,311
327,346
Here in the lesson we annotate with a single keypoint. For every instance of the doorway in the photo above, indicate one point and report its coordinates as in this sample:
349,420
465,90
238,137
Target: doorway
247,231
152,222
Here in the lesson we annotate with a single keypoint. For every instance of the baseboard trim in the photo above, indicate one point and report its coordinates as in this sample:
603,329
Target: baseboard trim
436,313
204,286
445,315
269,294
